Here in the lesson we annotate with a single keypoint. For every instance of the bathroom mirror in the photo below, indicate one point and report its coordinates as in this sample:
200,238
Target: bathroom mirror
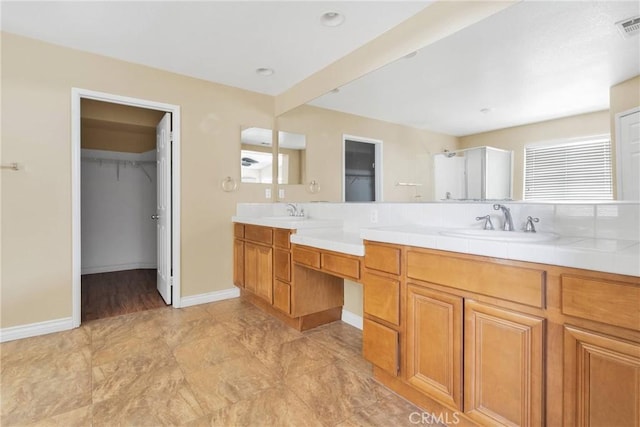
292,158
535,72
256,155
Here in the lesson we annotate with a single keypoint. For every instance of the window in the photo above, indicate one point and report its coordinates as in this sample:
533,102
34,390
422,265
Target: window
572,170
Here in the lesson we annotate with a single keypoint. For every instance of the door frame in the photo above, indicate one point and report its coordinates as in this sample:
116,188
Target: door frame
617,142
77,94
378,163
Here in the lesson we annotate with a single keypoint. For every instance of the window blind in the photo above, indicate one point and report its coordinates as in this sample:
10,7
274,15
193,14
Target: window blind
570,171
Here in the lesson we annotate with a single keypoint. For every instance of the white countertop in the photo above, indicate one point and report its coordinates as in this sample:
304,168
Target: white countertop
607,255
288,222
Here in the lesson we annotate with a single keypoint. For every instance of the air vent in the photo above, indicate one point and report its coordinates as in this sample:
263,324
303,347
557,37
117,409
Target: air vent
629,27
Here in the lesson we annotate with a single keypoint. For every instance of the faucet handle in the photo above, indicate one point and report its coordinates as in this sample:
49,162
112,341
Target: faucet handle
488,225
529,227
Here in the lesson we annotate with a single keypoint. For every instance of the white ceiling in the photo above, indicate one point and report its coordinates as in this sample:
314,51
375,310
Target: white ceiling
534,61
223,42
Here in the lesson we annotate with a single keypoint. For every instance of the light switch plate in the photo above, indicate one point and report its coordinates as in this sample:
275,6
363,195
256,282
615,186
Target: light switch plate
267,193
281,193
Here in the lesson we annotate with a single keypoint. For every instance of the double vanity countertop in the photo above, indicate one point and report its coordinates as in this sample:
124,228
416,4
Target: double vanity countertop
606,255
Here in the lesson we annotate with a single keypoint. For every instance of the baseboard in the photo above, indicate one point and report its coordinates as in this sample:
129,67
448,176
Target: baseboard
209,297
35,329
352,319
118,267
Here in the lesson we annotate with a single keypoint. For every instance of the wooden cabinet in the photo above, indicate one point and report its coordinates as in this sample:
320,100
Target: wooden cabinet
380,346
238,263
502,342
434,344
264,270
258,270
238,255
601,378
503,368
382,327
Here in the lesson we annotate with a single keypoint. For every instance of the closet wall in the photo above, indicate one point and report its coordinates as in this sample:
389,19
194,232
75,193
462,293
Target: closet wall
118,190
118,199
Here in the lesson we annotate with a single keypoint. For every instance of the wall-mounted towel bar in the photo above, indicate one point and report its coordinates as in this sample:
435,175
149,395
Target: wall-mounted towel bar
10,166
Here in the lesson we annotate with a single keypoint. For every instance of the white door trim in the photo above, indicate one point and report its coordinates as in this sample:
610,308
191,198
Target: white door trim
378,160
76,95
618,118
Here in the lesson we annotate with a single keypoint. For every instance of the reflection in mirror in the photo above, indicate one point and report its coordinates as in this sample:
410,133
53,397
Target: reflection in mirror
291,158
480,173
256,157
565,71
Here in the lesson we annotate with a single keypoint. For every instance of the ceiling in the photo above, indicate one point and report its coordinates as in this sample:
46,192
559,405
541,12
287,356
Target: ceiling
534,61
218,41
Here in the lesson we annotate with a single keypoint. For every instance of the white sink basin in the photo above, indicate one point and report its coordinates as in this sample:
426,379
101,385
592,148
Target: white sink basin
500,235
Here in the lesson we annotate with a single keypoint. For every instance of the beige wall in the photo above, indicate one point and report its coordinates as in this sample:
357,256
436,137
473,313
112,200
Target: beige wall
515,138
406,153
36,203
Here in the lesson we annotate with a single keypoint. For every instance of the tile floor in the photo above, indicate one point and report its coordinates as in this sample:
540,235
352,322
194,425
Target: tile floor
218,364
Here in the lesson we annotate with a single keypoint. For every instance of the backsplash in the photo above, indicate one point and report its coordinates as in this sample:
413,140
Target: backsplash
616,220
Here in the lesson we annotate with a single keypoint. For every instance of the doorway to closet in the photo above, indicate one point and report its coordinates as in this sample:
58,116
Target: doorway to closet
118,203
125,202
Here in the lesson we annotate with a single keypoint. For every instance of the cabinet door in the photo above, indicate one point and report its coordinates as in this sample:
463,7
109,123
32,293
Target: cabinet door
238,263
382,298
434,344
602,379
503,366
282,296
265,273
282,261
258,270
380,346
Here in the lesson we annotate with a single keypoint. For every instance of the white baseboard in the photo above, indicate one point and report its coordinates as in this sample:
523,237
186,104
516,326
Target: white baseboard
35,329
352,319
210,297
118,267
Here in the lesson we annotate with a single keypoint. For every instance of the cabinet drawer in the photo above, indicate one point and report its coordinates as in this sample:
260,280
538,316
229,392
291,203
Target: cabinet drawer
382,298
382,258
259,234
380,346
306,257
603,301
282,296
344,266
517,284
238,230
281,238
282,264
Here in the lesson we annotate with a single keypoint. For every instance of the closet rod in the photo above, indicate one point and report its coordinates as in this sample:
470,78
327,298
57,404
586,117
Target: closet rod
122,161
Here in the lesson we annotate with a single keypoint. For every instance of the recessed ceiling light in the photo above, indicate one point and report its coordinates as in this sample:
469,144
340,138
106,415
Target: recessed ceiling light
265,71
332,19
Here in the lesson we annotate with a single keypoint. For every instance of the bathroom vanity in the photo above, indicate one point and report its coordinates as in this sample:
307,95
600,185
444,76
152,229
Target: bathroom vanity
486,339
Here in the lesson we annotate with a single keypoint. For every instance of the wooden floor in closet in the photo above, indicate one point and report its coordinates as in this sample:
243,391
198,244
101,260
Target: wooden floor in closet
119,292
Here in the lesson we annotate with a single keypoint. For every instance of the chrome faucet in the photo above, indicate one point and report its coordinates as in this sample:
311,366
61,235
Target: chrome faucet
293,210
508,221
488,225
529,226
